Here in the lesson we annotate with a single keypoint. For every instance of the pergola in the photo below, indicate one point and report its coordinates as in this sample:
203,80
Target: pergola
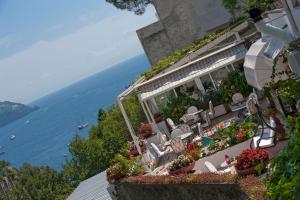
164,82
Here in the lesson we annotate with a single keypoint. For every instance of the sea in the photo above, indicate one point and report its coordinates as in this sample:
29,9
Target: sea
42,137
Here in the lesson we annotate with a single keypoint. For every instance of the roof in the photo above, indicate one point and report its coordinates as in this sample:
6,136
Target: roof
93,188
189,71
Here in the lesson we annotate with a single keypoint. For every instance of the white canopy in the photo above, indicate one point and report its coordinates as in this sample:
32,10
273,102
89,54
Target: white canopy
190,71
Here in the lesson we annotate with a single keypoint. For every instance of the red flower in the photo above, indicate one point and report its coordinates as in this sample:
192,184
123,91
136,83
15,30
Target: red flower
251,157
240,135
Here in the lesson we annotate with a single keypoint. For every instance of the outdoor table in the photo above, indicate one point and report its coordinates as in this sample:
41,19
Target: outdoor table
185,136
238,106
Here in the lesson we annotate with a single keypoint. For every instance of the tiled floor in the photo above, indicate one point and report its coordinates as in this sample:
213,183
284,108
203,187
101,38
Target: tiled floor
166,160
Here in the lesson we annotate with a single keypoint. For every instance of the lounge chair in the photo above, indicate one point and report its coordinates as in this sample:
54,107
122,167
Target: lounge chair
213,169
266,138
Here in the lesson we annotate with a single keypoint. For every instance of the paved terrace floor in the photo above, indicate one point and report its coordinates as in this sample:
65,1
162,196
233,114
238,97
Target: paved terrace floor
166,160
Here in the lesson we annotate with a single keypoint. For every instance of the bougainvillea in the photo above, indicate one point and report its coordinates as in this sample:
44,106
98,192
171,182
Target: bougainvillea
251,158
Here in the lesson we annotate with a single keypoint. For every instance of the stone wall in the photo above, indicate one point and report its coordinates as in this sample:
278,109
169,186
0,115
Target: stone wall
180,23
128,191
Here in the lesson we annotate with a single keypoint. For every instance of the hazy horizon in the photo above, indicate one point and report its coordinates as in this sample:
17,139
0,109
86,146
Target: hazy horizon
48,45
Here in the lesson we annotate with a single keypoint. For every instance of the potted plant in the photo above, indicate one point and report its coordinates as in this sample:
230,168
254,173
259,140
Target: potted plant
145,130
252,161
133,150
183,164
123,168
158,117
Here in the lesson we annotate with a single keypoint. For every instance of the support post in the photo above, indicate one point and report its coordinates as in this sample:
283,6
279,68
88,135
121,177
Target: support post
144,109
129,126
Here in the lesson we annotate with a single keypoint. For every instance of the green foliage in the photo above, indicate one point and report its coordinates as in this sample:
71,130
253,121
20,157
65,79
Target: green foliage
285,179
233,5
6,170
136,6
166,62
95,153
36,183
122,167
234,83
177,106
236,133
262,4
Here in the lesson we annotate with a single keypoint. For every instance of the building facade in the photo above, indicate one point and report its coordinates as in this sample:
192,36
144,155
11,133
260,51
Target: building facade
180,23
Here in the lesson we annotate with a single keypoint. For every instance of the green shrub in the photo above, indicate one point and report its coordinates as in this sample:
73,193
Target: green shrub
285,179
234,83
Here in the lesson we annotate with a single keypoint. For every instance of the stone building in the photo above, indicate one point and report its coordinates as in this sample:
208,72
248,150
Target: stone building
180,23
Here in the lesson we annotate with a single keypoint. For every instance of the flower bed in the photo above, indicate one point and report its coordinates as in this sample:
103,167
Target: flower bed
183,164
252,161
123,168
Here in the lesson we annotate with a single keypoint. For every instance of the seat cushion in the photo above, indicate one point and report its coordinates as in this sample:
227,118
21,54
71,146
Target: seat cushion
264,142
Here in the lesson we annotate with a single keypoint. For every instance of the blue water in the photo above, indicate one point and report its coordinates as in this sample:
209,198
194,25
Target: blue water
42,136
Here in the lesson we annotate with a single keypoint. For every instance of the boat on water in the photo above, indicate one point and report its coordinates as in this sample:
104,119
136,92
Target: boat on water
12,137
82,126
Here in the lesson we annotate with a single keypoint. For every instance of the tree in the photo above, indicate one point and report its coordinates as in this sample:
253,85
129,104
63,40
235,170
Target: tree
136,6
35,183
232,6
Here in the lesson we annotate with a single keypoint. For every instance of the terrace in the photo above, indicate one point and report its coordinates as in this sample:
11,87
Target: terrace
204,117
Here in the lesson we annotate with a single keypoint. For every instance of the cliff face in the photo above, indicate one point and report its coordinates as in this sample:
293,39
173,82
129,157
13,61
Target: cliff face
10,111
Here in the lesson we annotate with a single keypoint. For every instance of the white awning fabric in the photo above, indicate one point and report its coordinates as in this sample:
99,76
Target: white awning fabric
190,71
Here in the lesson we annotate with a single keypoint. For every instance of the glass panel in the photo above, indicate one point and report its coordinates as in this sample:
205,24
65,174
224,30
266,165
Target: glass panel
189,89
207,83
161,100
219,75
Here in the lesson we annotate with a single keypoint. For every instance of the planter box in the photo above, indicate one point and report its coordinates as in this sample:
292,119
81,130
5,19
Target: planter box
183,170
247,172
222,191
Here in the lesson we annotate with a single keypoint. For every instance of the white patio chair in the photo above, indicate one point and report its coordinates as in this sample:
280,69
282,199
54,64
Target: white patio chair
211,110
213,169
177,145
192,114
266,138
175,133
185,128
160,153
237,98
171,124
207,121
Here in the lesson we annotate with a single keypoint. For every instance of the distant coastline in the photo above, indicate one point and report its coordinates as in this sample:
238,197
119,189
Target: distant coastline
11,111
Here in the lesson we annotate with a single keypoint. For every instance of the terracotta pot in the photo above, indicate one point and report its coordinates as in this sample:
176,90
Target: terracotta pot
114,179
247,172
183,170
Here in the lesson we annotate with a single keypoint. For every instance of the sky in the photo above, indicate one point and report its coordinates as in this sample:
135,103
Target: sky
46,45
